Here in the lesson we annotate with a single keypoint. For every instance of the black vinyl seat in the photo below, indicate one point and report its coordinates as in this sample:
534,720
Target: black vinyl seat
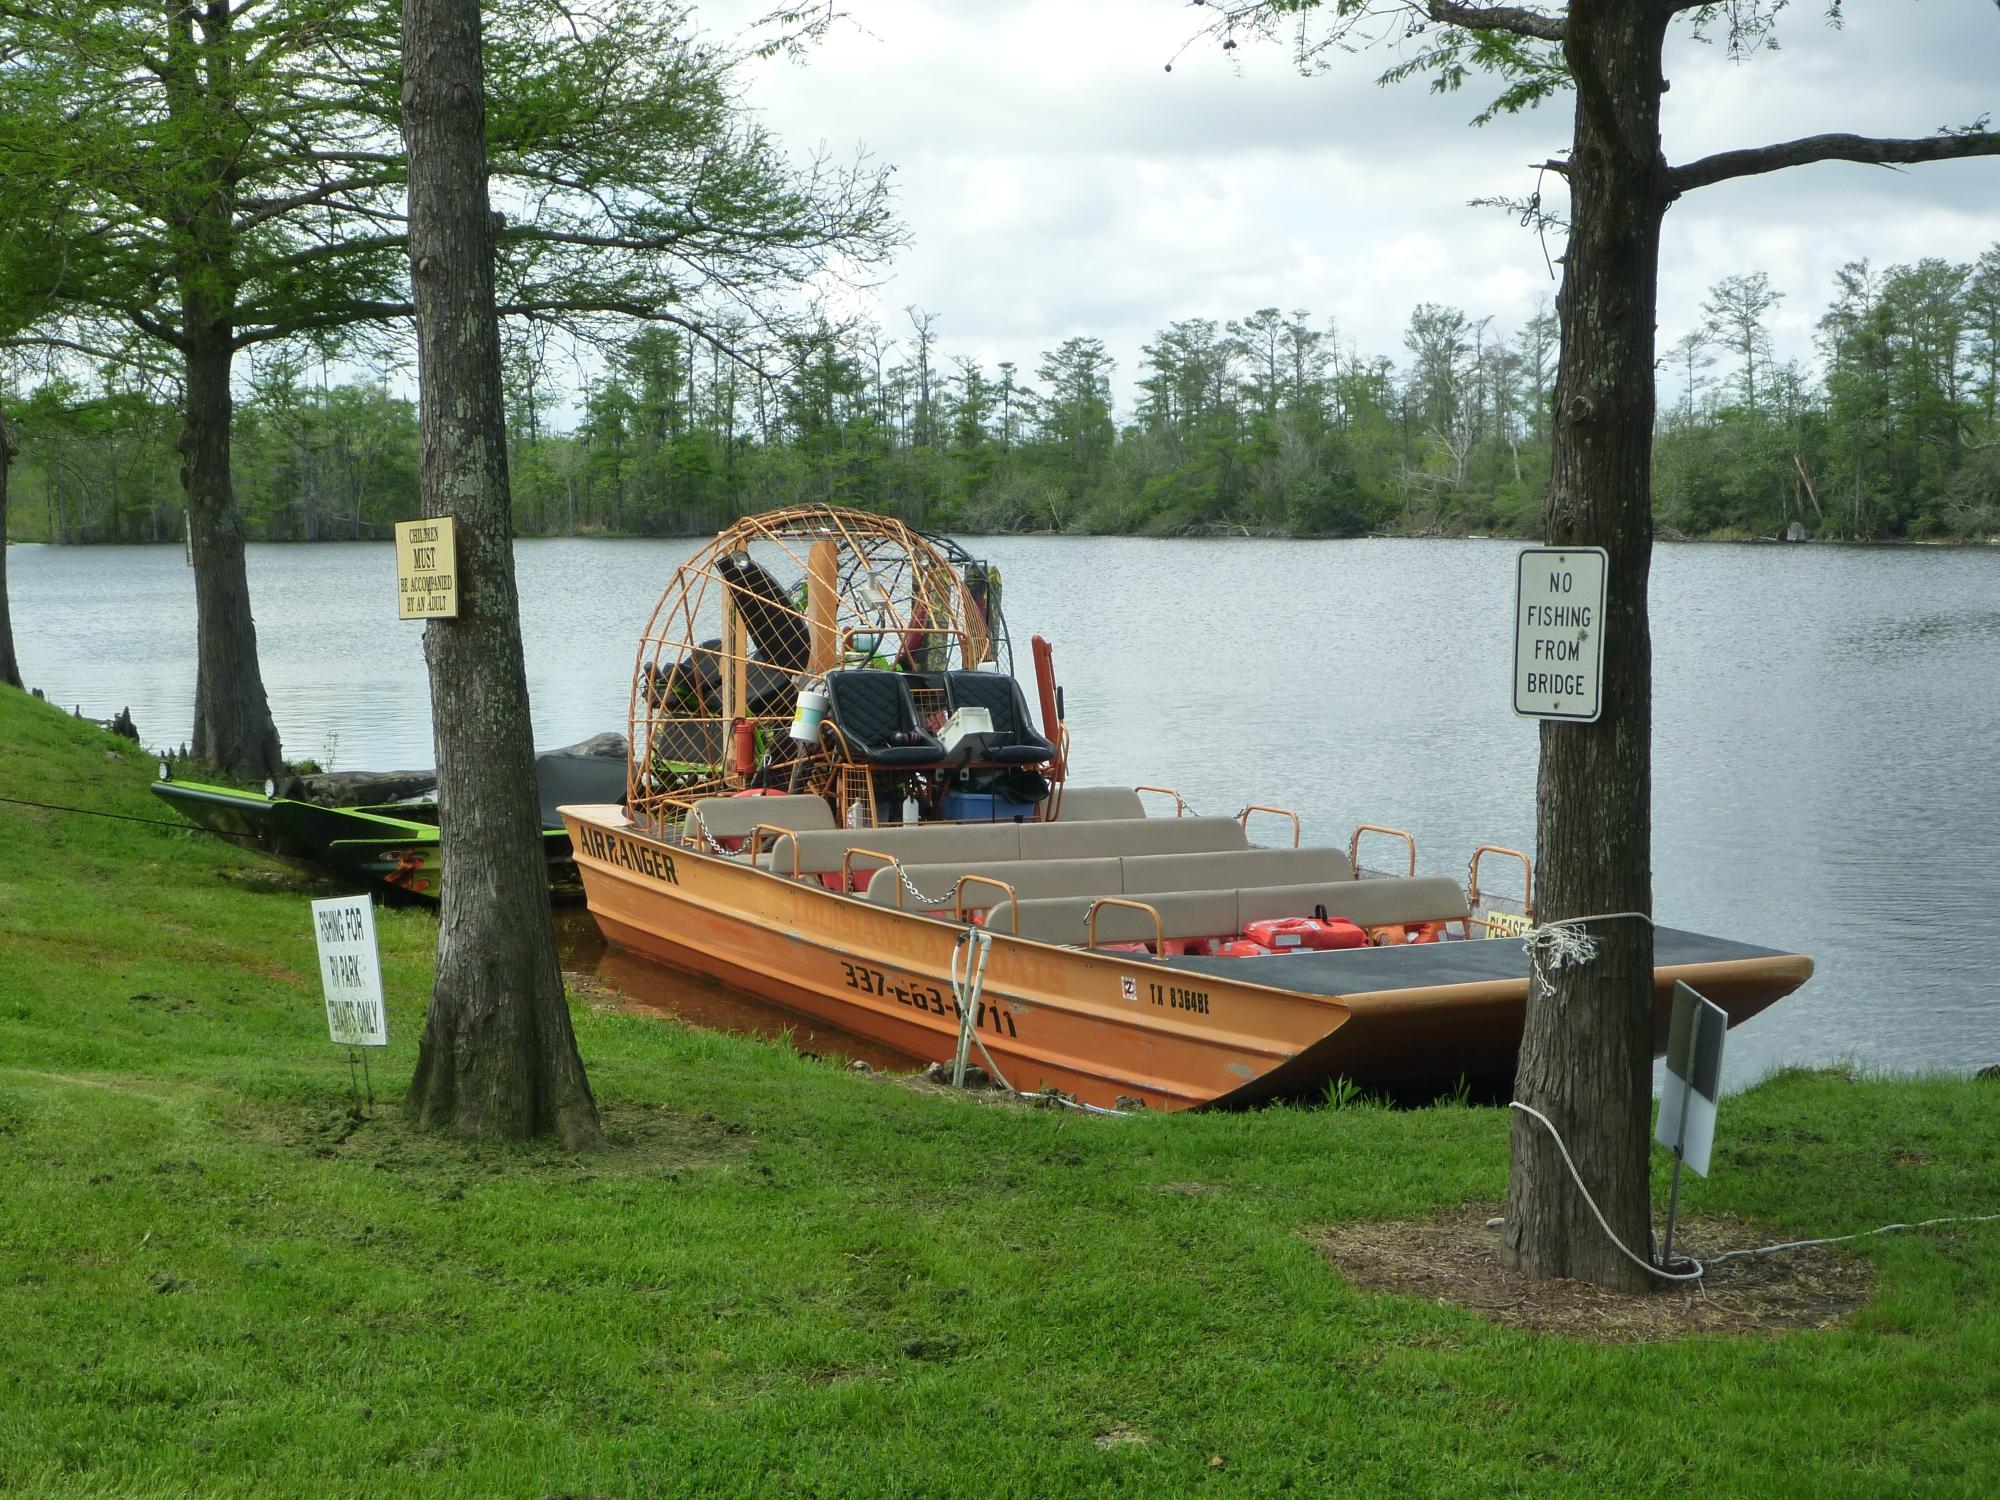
1015,740
870,709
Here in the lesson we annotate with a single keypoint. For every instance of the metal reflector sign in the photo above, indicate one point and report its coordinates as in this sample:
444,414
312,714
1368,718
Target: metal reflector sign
1694,1078
1559,633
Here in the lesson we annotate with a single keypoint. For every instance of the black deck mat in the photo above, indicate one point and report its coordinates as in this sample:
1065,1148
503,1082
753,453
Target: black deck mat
1360,971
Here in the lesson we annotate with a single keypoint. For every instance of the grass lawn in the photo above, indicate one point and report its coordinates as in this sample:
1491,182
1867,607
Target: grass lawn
784,1278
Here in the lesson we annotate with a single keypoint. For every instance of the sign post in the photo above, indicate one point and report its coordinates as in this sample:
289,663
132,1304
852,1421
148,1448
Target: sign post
427,569
1559,633
350,975
1688,1096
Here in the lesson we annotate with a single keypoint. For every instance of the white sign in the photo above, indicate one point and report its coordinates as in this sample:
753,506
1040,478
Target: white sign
1694,1078
349,971
1559,633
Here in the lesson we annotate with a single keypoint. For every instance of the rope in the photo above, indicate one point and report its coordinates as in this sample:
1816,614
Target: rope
1702,1268
92,812
958,984
1647,1266
1553,944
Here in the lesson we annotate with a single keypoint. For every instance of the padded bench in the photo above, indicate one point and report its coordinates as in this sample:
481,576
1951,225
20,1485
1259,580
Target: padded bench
1033,879
1089,804
734,817
1219,913
966,844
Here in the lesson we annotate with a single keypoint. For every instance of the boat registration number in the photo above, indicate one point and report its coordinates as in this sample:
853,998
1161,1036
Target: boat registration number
1173,997
925,997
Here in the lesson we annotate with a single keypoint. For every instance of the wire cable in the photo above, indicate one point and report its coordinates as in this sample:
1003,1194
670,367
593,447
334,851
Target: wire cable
92,812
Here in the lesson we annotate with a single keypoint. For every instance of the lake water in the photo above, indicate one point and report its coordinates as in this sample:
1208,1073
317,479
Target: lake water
1827,720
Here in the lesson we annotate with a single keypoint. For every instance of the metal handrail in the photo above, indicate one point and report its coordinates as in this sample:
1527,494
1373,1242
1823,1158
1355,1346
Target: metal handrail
847,869
756,847
958,898
1090,920
1354,844
1180,806
1282,812
1527,876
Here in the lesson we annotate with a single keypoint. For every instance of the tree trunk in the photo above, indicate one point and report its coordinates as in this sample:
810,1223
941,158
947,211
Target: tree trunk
232,714
10,669
1586,1056
498,1056
233,728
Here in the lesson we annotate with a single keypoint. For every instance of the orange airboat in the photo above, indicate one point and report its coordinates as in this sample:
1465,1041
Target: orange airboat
841,800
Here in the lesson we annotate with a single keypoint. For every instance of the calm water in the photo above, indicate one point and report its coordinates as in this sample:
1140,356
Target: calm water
1827,719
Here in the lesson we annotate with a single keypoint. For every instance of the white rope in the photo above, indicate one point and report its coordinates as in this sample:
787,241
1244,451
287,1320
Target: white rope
958,984
1702,1268
1555,945
1647,1266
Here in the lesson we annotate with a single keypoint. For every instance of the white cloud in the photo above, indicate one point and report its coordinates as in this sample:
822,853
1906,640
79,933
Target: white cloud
1057,181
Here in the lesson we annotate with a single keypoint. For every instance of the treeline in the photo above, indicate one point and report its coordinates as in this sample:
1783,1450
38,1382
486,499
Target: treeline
1265,424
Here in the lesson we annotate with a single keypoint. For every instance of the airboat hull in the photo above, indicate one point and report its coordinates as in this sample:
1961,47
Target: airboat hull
1105,1028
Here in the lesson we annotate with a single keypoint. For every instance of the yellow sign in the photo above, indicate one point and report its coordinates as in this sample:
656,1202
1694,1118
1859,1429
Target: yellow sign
427,569
1506,924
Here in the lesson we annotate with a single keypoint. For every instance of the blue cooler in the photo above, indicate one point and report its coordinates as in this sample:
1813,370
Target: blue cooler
983,807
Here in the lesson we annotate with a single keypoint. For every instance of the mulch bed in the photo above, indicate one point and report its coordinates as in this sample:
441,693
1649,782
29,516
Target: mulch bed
1454,1258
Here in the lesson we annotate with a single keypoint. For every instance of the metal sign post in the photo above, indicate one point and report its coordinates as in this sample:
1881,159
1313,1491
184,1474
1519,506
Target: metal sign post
1688,1094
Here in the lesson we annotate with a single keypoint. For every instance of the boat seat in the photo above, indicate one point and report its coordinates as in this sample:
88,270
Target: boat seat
820,851
1367,903
1224,868
1030,879
735,817
1067,840
1014,741
1090,804
1219,913
872,710
1066,919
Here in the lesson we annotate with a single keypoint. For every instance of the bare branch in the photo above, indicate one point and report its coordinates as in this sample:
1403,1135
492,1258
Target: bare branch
1874,151
1517,19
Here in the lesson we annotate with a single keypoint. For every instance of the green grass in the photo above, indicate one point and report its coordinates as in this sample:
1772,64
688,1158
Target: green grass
787,1279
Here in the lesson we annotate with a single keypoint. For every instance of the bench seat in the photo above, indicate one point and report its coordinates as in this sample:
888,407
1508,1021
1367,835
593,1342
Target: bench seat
1221,913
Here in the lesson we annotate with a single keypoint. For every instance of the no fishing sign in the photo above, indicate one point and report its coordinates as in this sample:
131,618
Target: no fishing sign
1559,633
349,971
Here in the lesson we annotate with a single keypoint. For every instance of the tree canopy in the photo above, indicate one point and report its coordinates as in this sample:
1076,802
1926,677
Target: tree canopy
235,179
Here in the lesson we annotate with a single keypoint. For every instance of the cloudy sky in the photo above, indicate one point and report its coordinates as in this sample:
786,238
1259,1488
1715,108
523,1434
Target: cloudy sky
1057,180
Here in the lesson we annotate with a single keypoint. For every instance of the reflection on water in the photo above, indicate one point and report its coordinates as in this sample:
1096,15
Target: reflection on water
1826,719
647,986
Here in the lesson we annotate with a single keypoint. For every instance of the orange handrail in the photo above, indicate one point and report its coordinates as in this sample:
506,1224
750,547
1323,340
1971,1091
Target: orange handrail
1527,876
1090,920
1354,844
757,848
1166,791
1282,812
847,869
958,898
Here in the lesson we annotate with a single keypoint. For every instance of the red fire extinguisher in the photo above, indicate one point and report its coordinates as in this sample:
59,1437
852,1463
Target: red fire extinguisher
744,744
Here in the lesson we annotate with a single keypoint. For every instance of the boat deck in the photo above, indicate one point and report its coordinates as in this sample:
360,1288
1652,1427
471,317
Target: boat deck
1351,971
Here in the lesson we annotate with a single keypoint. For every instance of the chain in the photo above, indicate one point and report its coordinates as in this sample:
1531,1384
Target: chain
911,886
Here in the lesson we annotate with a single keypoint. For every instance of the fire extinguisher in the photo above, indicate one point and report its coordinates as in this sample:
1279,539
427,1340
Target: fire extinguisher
744,746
